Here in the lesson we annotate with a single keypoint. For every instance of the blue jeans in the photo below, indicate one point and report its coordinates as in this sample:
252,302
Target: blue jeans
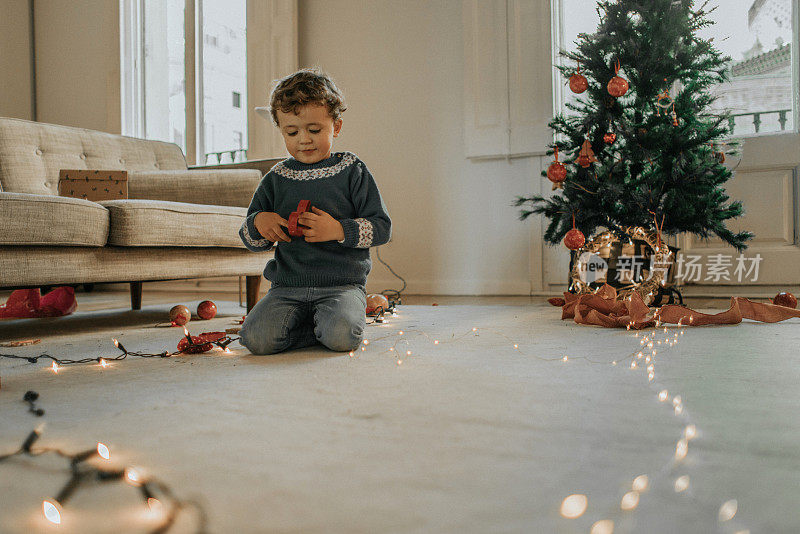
295,317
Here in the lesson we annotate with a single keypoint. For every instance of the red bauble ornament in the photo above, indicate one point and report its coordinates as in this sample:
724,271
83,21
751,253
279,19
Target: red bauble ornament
609,138
617,86
574,239
180,315
201,343
785,298
556,172
376,302
578,83
206,310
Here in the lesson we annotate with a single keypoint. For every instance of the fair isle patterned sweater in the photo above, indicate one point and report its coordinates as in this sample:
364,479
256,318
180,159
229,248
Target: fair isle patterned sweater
340,185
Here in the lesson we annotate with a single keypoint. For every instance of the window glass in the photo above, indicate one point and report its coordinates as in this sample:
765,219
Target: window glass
224,74
756,34
164,77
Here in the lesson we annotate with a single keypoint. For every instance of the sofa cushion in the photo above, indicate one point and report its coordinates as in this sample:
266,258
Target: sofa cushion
28,219
222,187
145,223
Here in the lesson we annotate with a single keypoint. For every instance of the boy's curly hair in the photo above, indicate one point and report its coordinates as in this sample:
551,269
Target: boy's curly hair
303,87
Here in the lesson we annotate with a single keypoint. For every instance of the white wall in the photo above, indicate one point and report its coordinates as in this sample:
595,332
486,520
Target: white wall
77,63
16,98
400,65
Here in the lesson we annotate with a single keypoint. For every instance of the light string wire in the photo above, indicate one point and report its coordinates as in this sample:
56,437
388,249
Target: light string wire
82,473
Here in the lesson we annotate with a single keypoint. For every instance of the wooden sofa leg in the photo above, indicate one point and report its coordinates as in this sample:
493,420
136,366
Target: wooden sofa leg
253,283
136,295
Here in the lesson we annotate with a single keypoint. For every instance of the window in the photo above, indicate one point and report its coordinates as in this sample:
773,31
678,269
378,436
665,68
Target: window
157,101
758,36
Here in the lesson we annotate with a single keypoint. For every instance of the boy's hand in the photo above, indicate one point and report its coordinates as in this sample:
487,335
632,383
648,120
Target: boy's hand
321,226
269,225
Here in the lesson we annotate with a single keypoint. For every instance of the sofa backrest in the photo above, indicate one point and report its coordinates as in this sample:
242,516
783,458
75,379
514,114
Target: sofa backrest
32,154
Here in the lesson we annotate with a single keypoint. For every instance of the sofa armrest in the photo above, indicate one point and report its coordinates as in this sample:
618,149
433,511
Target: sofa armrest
228,187
262,165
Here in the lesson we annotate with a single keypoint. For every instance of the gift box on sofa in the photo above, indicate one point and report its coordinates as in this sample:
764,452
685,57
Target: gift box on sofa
93,185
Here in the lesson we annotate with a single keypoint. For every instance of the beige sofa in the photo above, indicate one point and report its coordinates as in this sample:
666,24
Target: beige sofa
177,223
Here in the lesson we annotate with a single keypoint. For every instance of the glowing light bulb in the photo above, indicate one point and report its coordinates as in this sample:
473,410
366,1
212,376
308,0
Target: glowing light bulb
55,367
663,395
647,359
351,353
633,365
391,349
677,400
363,349
116,343
474,329
690,432
574,506
655,352
436,342
630,500
399,362
51,512
103,451
366,342
681,449
728,510
132,476
565,358
401,332
516,346
650,376
640,483
651,368
227,350
604,526
408,353
679,409
614,362
185,331
639,356
103,363
681,483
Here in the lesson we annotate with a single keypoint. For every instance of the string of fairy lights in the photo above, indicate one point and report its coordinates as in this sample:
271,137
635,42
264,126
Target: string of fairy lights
92,465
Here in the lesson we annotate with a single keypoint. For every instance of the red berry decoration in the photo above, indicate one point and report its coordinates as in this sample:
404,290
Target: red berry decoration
785,298
206,310
609,138
556,172
617,86
180,315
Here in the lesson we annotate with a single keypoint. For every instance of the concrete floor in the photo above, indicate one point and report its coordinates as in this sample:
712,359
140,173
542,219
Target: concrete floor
471,434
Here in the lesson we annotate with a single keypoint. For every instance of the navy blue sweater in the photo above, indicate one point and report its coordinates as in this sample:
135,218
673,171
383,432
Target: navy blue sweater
340,185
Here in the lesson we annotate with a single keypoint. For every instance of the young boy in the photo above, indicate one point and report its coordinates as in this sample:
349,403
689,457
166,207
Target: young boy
317,292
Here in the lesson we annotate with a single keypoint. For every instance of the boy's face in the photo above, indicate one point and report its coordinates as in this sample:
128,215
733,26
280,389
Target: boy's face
309,134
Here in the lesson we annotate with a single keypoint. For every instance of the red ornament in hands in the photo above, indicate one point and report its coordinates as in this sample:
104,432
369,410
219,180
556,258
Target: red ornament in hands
785,298
556,172
617,86
578,82
294,228
206,310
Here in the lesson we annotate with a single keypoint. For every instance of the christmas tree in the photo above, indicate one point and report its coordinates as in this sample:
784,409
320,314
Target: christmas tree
641,147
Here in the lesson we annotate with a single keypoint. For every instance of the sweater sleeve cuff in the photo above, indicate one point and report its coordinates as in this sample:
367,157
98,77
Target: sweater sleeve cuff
251,237
358,233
